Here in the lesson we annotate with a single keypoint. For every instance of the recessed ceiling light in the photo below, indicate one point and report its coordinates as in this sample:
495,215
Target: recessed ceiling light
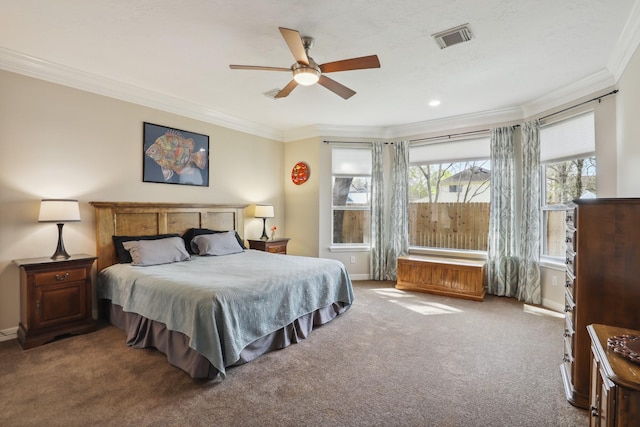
434,103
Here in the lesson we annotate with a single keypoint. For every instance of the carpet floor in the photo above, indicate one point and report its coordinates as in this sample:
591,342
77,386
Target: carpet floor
395,358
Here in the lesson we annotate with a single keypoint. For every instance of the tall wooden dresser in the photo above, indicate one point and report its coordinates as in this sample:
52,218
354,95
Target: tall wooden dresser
602,281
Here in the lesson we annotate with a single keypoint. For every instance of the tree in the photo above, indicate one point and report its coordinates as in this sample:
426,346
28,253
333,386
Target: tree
341,187
426,181
433,175
473,172
570,179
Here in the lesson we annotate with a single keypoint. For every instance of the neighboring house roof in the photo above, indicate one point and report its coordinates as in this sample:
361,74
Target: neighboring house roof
477,174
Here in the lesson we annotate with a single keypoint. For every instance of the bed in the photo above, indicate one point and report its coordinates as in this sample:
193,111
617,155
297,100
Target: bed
208,313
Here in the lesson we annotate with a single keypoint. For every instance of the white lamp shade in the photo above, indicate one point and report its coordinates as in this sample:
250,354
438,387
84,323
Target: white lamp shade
59,210
264,211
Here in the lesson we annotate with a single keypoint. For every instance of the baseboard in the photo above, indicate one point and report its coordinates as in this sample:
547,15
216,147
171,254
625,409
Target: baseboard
8,334
553,305
542,311
360,276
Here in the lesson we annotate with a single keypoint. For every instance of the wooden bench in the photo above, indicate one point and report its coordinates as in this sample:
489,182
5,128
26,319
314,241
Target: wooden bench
454,277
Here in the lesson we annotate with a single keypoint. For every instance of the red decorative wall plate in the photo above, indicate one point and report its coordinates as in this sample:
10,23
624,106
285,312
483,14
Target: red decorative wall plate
300,173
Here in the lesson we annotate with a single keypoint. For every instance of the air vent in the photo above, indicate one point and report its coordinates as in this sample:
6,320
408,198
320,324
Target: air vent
272,93
453,36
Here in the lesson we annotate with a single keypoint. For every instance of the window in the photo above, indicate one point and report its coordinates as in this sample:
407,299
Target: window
351,195
567,154
449,195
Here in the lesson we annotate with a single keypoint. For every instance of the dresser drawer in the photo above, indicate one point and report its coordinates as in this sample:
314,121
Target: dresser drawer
570,284
570,261
568,327
570,238
570,217
569,304
60,276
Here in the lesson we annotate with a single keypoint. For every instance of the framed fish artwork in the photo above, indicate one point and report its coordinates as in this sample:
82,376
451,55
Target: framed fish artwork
174,156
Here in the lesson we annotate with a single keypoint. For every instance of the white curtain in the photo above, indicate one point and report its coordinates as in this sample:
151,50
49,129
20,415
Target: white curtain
377,213
398,241
502,266
529,251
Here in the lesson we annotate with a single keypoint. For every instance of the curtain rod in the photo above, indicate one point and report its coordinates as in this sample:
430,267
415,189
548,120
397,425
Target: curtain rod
597,98
353,142
473,132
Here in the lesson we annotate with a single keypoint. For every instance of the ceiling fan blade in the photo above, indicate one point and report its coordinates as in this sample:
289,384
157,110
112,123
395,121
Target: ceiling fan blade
257,67
294,41
361,63
287,89
336,87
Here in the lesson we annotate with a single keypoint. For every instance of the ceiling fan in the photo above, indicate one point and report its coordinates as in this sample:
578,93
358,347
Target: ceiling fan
307,72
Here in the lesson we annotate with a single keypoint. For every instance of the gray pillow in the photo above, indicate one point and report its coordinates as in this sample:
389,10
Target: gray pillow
160,251
216,244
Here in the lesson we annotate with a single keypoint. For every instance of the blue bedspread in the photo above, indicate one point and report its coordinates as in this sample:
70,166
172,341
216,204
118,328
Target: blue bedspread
223,303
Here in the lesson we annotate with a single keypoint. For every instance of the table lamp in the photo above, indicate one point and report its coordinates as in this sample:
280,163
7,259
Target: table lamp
59,211
264,212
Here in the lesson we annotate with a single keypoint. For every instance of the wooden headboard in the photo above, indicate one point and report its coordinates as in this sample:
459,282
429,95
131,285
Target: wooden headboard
144,219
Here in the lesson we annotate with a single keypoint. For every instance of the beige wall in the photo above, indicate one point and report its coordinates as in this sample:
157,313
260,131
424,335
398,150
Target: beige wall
628,121
302,201
58,142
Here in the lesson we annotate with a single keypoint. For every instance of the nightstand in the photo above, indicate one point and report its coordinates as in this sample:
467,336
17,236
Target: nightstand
55,298
275,246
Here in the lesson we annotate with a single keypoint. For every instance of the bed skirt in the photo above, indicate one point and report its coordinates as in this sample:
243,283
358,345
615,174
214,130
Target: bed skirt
144,333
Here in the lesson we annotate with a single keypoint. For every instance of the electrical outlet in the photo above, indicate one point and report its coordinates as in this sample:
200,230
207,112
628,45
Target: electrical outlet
554,280
353,260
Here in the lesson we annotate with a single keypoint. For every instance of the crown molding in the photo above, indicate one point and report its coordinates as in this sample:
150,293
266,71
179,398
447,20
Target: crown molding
447,124
56,73
336,131
627,43
411,130
60,74
601,80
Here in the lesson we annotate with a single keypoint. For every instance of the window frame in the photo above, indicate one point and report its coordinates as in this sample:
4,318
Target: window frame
464,253
544,208
582,145
364,246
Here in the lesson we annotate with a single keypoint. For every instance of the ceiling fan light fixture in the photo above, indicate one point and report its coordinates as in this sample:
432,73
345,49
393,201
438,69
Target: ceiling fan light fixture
306,76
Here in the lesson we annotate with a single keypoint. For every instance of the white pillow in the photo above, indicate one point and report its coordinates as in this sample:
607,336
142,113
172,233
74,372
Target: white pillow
160,251
217,244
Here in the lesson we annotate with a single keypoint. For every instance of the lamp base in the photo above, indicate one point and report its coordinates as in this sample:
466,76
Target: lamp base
60,252
264,230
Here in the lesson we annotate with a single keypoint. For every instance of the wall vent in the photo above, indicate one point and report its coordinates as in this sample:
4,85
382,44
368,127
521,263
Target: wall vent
453,36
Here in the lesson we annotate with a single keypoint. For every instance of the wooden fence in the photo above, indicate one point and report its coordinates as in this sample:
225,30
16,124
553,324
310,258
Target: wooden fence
449,225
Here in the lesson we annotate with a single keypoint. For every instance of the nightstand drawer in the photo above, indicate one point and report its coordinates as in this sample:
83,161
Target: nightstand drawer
280,248
275,246
60,276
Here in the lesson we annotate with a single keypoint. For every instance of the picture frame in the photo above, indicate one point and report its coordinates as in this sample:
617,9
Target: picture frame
174,156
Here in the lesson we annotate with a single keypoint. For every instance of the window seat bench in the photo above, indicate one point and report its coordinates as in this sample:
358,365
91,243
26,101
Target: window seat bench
453,277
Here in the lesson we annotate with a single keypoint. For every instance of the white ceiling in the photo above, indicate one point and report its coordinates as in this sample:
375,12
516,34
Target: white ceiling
175,55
